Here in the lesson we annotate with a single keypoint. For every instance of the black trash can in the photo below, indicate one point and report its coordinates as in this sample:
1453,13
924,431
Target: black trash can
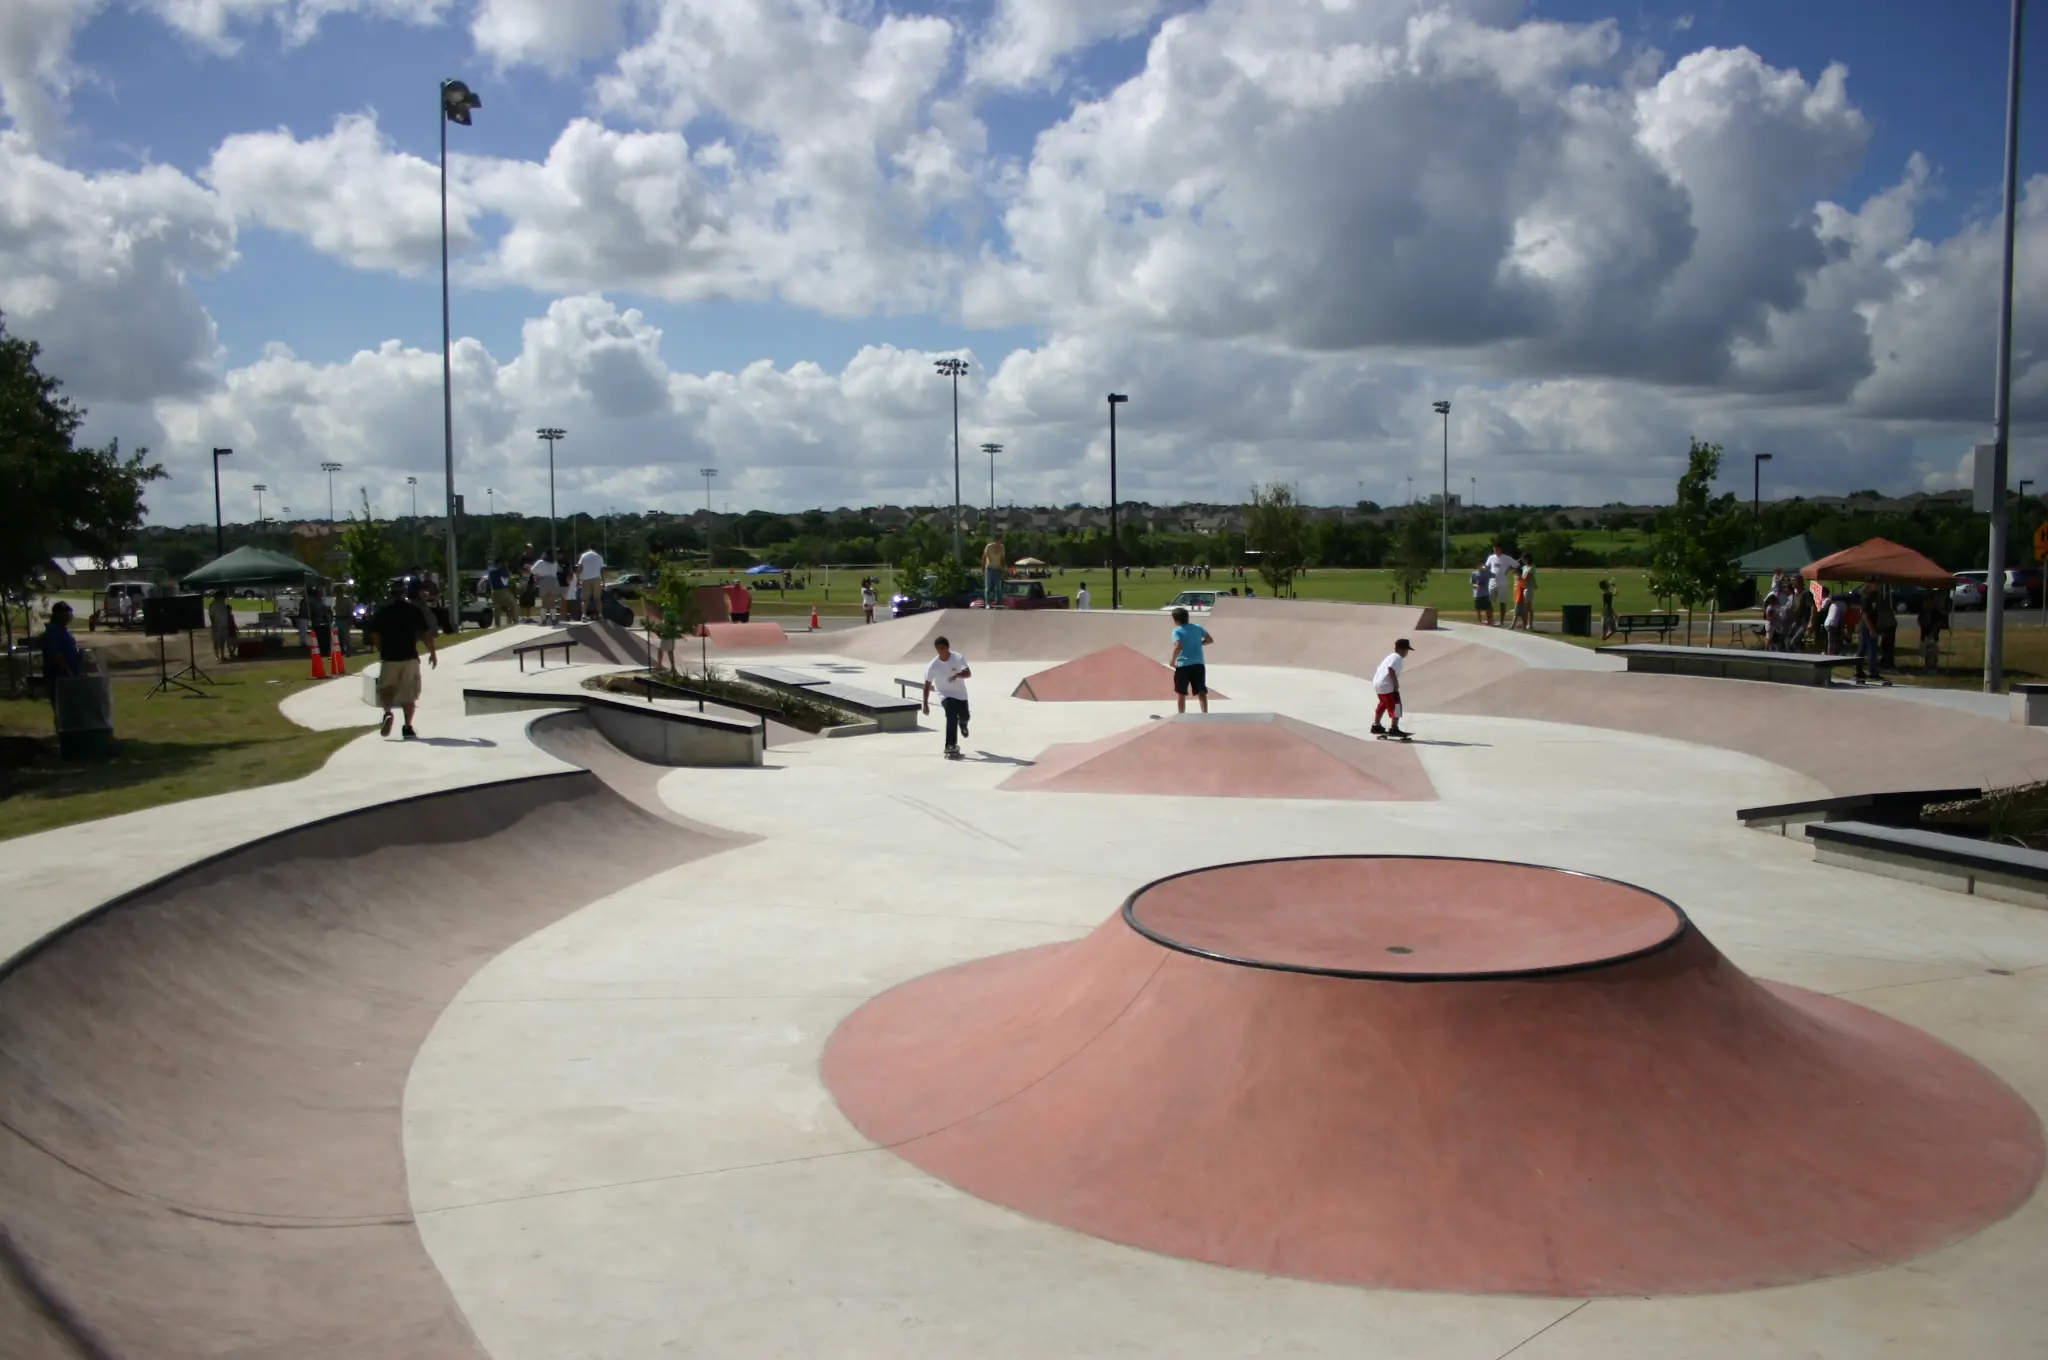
1578,620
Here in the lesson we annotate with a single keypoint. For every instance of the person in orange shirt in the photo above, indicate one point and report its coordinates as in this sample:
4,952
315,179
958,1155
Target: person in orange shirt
739,602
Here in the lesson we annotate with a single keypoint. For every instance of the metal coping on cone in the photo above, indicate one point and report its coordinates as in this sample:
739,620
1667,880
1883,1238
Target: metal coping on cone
1682,925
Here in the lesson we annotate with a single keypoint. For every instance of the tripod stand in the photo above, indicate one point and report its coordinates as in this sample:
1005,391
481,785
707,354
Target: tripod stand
192,663
164,679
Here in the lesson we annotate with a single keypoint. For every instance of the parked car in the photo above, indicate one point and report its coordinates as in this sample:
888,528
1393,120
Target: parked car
1194,601
1030,595
924,599
2015,593
631,585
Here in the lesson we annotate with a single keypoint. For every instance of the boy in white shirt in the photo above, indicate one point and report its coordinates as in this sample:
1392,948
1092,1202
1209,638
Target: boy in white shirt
1081,597
948,673
1386,682
867,601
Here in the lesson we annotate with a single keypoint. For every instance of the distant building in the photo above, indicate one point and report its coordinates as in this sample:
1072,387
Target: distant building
92,573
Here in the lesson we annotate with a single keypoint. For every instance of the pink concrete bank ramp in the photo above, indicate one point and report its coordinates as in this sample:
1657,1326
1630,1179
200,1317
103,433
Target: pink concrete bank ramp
1114,673
1435,1074
745,636
1231,755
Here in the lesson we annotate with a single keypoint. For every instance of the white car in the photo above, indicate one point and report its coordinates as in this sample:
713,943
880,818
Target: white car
1194,601
1970,590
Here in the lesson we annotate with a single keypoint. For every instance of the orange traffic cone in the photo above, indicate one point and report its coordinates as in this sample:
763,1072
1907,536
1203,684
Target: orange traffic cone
337,662
814,618
313,653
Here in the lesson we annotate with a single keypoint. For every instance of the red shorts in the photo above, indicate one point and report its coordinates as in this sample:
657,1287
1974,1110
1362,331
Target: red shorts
1390,707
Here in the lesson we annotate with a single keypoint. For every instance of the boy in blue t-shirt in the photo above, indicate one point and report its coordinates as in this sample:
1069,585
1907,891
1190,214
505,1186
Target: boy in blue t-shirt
1190,674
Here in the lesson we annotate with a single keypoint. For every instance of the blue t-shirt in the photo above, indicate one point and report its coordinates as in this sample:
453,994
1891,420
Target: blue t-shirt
61,656
1189,636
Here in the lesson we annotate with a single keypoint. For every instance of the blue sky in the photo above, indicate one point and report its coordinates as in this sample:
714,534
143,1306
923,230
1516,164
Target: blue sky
1265,305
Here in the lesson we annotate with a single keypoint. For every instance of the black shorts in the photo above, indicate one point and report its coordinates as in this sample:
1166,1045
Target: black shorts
1191,679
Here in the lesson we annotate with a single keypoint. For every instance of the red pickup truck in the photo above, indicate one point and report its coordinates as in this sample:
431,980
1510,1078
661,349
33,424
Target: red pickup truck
1030,595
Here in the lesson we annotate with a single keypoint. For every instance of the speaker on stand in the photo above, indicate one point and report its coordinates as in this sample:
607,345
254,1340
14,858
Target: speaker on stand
162,616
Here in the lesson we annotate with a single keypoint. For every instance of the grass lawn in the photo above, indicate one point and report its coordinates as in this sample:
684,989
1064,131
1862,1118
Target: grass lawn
170,748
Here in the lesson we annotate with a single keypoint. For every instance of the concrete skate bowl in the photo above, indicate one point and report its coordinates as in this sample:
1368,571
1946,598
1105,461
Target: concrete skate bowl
1231,755
201,1083
1446,1075
1111,674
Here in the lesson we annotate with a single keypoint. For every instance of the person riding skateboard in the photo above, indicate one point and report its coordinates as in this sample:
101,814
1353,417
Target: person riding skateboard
1386,682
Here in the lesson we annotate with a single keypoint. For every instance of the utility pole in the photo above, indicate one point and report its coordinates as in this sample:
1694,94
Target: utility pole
954,368
551,433
1116,399
2001,406
260,488
219,534
1443,408
457,103
1756,498
991,450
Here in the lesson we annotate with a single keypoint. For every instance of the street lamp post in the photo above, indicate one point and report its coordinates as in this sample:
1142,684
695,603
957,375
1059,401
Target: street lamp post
551,433
330,469
707,474
991,450
1474,500
260,488
413,485
458,101
1116,399
1756,496
219,534
1443,408
2001,403
954,368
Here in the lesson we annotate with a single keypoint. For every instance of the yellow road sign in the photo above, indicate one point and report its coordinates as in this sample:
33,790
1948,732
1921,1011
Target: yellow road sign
2041,543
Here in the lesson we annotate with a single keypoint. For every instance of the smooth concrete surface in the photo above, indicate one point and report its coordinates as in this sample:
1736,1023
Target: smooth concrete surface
576,1205
727,1207
1114,673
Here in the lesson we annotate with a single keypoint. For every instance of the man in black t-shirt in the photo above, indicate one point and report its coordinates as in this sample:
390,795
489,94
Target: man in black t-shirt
398,628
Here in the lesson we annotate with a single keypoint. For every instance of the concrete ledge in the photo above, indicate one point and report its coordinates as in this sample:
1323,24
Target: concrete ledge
2029,704
2003,873
1729,663
658,734
878,712
1899,808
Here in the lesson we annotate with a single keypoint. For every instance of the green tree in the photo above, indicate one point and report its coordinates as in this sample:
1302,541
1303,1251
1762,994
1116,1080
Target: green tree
372,559
56,495
1415,548
1692,556
674,599
1275,526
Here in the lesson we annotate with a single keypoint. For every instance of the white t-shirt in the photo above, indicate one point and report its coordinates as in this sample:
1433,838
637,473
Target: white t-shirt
867,594
590,566
544,578
1387,679
943,675
1502,566
1081,599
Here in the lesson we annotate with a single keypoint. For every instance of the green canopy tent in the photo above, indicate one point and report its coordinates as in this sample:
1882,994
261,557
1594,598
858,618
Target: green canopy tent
1792,554
254,568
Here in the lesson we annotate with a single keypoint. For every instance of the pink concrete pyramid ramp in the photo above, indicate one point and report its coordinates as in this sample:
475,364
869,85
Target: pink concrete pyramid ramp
1114,673
1435,1074
1231,755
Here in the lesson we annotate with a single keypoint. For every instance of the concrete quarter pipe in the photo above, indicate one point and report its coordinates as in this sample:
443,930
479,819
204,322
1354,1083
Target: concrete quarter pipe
1435,1074
200,1085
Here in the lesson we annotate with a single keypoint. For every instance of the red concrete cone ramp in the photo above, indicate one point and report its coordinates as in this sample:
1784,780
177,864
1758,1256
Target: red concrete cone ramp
1114,673
1231,755
1435,1074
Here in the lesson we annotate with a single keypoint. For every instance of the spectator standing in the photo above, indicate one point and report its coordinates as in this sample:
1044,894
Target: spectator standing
62,659
547,587
1499,567
1081,596
1831,619
1608,625
590,584
1933,619
504,607
739,602
1190,669
1878,609
398,628
1525,596
948,673
1482,594
320,617
1869,644
993,560
220,621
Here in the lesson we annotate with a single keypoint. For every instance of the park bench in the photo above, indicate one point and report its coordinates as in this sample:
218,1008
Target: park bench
1660,624
1730,663
542,647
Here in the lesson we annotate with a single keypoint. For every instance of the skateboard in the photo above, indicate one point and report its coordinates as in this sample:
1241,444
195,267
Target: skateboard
1394,736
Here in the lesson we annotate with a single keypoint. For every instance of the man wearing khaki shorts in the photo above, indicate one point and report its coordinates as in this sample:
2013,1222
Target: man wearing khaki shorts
398,628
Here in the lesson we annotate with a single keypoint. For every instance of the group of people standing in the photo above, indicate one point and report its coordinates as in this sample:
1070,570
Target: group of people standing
1860,621
1495,580
553,591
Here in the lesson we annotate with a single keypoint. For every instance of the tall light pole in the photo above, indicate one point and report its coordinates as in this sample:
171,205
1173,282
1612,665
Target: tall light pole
1116,399
413,485
219,534
2001,404
991,450
707,474
458,101
551,433
954,368
1474,500
330,469
491,503
1756,496
1443,408
260,488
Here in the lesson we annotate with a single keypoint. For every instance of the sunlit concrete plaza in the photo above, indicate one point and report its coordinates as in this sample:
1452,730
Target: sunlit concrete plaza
504,1043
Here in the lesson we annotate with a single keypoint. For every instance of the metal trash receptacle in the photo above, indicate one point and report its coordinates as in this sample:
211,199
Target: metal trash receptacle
1578,620
85,715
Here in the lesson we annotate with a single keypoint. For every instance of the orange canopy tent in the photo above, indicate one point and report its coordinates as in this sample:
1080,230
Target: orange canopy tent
1879,560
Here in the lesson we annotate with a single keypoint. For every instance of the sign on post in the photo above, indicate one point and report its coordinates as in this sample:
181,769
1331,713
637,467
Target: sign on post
2041,542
